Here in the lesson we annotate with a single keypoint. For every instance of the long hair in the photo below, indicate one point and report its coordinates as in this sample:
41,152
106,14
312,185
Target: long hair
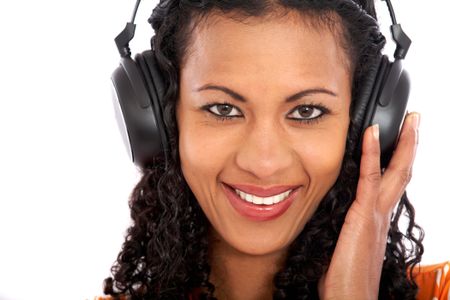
165,252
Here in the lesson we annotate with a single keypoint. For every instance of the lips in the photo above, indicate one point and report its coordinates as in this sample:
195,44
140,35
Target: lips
257,212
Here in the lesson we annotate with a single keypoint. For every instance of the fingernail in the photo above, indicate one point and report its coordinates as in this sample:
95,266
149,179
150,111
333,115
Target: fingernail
415,120
376,131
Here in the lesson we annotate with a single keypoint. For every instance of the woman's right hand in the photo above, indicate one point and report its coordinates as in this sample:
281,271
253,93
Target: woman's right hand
356,265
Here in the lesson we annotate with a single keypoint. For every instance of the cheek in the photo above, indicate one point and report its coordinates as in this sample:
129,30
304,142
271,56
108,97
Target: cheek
322,156
203,155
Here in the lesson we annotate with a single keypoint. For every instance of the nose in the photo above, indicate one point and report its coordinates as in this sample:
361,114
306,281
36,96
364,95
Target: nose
265,150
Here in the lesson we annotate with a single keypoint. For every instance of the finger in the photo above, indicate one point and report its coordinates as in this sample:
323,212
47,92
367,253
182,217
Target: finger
370,171
399,171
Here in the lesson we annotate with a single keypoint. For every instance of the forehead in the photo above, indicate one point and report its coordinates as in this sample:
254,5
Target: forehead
291,47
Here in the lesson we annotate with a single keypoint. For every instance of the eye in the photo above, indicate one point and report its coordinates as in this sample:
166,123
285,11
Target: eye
305,113
223,110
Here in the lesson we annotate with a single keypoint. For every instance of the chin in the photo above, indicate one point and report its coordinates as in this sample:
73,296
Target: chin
257,246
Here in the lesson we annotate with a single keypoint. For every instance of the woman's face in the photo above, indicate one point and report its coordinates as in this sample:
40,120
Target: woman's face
287,86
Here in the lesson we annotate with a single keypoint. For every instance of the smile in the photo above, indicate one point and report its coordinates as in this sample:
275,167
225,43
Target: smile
263,200
268,204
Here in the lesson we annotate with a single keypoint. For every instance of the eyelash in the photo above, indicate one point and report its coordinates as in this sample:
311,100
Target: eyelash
324,111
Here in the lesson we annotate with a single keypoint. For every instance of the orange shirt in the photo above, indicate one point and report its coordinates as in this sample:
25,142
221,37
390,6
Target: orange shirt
433,282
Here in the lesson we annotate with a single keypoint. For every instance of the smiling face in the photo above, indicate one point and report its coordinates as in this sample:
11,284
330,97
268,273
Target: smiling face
285,88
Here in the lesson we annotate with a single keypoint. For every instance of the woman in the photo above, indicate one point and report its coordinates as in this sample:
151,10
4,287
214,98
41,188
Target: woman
265,195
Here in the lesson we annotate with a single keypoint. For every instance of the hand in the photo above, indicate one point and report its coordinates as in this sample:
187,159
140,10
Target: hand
356,264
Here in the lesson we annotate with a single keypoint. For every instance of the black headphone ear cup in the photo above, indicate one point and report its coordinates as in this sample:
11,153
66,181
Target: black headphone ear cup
134,112
390,108
364,104
386,105
157,90
372,91
365,94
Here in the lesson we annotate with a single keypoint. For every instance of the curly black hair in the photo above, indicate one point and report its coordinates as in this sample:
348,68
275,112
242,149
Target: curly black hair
165,253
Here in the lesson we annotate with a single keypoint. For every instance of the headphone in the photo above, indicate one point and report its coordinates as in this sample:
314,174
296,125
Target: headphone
138,91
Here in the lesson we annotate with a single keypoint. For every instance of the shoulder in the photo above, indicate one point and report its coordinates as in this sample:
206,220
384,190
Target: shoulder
123,297
193,295
433,281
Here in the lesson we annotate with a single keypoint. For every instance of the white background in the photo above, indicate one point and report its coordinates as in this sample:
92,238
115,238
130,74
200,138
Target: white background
64,173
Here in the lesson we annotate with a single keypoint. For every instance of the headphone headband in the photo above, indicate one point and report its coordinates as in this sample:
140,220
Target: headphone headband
402,41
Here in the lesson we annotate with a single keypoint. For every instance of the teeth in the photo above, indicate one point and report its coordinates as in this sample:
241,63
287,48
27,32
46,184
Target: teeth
262,200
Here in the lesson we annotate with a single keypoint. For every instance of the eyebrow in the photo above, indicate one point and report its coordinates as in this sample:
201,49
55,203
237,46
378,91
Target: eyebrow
291,98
